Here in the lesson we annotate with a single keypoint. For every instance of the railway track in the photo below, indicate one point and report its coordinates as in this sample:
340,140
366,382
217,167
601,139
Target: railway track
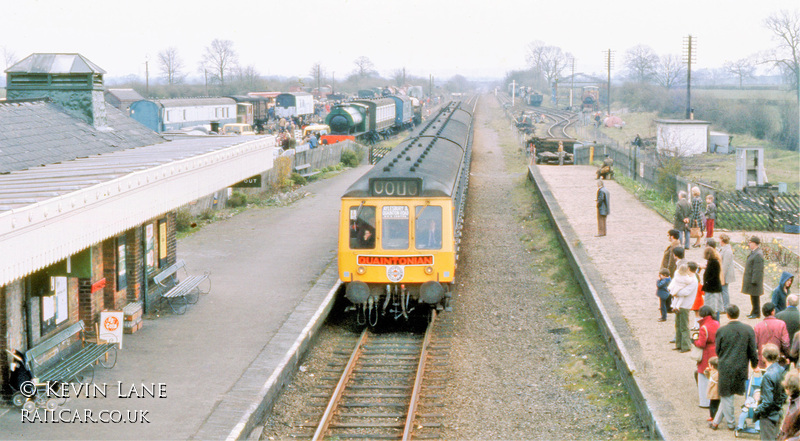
385,389
559,120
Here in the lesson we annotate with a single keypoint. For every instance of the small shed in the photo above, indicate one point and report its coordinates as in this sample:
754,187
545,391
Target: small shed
682,137
122,98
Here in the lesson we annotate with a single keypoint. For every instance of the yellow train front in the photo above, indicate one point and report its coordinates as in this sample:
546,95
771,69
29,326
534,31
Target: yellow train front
400,223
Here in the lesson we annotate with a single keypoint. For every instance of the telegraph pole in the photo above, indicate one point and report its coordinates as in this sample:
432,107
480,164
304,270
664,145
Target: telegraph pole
333,86
609,65
430,87
146,78
689,49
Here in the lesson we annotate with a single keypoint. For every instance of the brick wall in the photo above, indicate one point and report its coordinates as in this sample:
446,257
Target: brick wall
172,243
91,303
112,299
133,260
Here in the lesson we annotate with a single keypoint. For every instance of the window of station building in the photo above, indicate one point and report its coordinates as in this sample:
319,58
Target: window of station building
162,243
362,227
53,299
122,274
428,227
149,248
394,227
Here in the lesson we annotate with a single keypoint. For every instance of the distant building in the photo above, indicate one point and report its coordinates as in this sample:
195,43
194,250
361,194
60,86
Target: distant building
122,99
682,137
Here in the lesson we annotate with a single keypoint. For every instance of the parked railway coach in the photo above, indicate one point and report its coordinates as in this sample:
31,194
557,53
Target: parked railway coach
178,113
404,112
399,225
381,114
292,104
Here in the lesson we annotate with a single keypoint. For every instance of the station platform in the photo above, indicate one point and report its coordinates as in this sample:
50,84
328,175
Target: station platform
273,272
626,263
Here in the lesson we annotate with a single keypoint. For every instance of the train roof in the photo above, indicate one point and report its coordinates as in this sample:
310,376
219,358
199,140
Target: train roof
191,102
435,155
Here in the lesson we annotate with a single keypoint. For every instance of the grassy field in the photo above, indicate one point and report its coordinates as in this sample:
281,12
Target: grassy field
745,94
719,170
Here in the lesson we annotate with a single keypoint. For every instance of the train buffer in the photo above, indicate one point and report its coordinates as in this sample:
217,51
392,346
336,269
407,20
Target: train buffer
179,294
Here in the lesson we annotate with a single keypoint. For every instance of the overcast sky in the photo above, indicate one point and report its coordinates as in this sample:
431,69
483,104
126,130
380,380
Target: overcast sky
474,38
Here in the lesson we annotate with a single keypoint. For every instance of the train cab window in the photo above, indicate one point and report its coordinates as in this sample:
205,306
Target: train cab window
394,227
428,227
362,227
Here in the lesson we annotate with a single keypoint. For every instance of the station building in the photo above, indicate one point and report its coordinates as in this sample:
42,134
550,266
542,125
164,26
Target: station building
88,199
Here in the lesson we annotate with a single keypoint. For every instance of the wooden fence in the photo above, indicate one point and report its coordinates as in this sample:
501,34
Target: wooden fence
744,210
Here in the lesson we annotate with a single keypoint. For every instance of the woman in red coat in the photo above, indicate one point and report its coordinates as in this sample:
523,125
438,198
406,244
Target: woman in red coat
706,341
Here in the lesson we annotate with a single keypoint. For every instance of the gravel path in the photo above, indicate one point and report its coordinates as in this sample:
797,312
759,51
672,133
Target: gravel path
527,363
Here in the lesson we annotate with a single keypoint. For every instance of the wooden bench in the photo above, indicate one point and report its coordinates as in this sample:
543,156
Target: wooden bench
61,358
305,170
180,293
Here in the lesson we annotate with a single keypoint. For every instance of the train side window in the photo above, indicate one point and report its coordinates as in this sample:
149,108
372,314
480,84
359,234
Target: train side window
394,227
428,227
362,227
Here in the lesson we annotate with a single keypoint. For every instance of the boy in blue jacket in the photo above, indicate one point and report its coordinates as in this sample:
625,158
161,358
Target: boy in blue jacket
662,293
781,291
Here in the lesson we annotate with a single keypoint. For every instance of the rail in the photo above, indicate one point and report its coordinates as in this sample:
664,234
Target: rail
392,357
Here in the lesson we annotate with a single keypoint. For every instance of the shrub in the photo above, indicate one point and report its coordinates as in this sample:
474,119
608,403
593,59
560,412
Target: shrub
207,214
350,158
237,200
183,220
298,179
283,168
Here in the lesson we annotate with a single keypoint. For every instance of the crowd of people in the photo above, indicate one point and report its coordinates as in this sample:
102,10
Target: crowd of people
731,356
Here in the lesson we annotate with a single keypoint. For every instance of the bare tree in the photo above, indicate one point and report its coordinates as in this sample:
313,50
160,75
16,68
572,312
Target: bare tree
317,74
550,61
670,71
219,59
171,65
742,68
785,25
642,63
457,84
399,77
9,57
364,67
247,77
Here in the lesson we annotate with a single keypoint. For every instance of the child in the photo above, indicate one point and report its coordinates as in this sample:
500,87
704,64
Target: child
682,287
663,293
750,405
711,215
698,295
712,374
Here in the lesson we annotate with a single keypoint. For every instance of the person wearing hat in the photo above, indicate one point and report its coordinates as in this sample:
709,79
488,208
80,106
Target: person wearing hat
753,277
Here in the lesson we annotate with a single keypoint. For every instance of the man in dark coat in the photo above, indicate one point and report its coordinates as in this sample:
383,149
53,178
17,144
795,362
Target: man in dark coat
683,211
602,208
736,346
753,277
790,316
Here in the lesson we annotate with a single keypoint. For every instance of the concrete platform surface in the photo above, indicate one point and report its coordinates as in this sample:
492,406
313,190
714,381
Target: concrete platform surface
272,270
628,260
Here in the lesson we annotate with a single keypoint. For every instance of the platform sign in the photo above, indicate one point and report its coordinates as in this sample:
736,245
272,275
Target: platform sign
111,324
254,182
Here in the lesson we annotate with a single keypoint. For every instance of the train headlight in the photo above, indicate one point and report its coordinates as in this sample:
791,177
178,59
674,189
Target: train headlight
361,270
428,270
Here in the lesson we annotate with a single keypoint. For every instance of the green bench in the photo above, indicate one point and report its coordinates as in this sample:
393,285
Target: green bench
64,358
180,293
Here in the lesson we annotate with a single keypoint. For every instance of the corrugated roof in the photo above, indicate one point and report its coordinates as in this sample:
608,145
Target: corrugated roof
35,133
55,64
